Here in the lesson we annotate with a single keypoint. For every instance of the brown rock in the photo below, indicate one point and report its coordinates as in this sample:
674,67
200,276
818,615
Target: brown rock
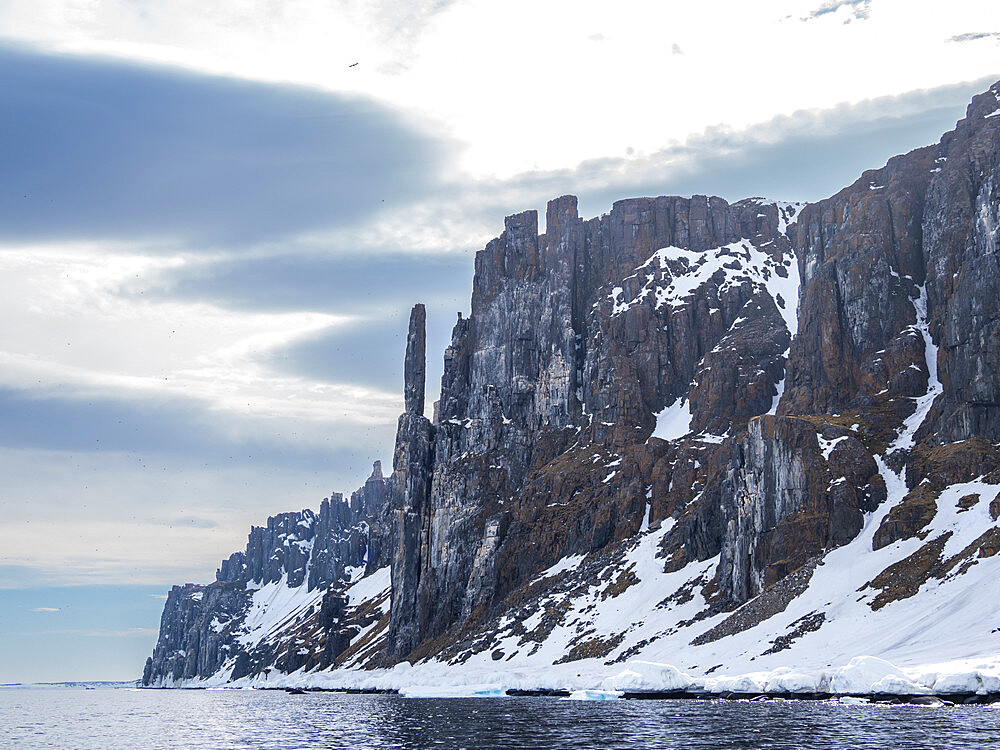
908,518
961,461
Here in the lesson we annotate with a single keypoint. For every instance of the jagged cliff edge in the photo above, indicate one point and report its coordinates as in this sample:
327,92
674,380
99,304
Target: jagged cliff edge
685,432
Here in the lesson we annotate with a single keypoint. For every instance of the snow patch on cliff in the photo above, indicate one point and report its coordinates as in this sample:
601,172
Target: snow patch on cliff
674,274
273,607
906,438
673,277
674,422
371,586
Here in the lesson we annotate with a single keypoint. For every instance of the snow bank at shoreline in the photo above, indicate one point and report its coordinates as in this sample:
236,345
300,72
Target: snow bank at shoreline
862,675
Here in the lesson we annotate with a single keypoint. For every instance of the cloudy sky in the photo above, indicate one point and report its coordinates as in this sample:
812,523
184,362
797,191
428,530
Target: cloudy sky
214,218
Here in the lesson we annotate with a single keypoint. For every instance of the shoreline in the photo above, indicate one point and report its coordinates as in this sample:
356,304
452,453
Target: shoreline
930,700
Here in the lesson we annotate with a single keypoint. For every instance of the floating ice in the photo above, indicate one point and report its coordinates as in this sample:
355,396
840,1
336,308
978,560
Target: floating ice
594,695
452,691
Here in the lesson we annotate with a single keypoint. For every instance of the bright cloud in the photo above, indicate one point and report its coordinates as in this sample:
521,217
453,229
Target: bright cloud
528,85
76,321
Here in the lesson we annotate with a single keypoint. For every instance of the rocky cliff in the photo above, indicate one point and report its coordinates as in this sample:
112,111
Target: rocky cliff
678,410
279,604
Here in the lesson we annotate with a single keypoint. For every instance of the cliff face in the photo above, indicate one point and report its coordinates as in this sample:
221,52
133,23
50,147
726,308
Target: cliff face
283,590
749,385
960,247
578,338
889,362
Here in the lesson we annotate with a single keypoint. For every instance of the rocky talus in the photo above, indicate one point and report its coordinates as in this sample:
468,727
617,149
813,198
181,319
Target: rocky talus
734,390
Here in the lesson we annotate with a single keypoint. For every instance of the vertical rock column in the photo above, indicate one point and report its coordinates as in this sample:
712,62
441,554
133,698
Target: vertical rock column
412,471
415,364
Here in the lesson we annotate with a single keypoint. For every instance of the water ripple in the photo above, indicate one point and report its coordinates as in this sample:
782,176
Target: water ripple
259,720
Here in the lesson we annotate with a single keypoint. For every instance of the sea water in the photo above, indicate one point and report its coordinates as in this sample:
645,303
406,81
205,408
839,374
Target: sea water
218,719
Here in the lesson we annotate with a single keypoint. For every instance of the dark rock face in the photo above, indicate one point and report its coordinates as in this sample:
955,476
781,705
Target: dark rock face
649,338
580,336
320,545
577,339
929,217
374,509
415,363
201,626
189,646
746,372
412,466
784,500
860,259
729,386
962,254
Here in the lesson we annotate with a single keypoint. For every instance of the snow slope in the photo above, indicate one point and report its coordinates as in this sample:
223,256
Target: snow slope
943,639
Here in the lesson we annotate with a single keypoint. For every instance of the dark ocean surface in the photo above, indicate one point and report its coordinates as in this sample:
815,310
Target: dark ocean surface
195,719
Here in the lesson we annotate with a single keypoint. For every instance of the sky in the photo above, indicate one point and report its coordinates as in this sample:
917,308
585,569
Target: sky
215,217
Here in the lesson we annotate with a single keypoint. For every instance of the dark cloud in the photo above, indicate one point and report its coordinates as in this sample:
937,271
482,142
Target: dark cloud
805,156
151,430
331,283
379,288
101,149
58,423
369,352
800,167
